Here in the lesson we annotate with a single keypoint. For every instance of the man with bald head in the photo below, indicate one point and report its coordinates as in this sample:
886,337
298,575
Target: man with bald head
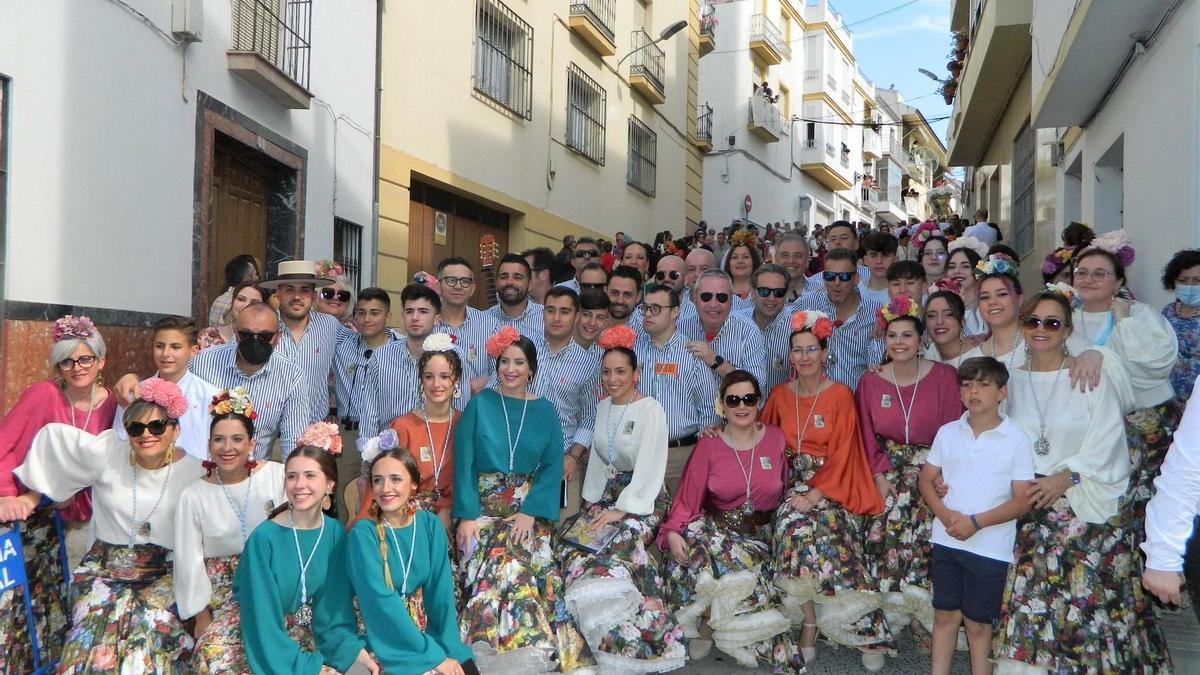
696,262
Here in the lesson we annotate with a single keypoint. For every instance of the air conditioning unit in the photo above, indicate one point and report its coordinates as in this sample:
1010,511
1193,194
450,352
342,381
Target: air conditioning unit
187,20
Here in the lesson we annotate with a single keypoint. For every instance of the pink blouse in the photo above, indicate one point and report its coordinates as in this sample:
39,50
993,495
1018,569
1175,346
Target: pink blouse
713,477
881,411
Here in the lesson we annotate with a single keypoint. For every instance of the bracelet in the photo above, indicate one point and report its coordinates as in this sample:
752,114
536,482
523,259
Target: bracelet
975,522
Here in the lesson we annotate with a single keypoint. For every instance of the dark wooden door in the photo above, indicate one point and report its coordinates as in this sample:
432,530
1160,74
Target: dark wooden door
238,217
465,223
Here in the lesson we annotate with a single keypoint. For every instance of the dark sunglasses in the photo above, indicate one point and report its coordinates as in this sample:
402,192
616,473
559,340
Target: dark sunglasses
751,400
764,292
1051,324
82,362
840,276
591,286
156,427
662,276
721,297
247,336
329,294
587,253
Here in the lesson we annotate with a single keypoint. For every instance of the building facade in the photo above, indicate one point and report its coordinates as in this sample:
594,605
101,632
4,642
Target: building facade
528,121
143,144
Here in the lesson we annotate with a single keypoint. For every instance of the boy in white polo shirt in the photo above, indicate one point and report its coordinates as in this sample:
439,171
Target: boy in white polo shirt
986,463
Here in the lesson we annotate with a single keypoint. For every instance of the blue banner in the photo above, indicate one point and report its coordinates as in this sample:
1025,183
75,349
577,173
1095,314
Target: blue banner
12,562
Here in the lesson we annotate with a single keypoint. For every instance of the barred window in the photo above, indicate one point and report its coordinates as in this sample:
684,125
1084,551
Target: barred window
504,57
347,250
587,105
643,153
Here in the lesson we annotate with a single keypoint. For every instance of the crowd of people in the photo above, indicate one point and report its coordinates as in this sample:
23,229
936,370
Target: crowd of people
760,450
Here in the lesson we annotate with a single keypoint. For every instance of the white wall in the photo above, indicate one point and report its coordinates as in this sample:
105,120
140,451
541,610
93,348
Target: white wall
103,144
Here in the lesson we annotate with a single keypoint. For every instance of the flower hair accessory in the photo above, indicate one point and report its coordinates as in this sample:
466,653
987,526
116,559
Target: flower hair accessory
997,263
815,321
947,285
386,440
743,238
322,435
427,280
923,232
329,269
1117,243
73,328
438,342
233,401
501,341
898,307
617,336
165,395
969,243
1057,260
1064,289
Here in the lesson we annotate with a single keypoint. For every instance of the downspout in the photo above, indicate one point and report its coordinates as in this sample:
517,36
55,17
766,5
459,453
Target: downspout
376,142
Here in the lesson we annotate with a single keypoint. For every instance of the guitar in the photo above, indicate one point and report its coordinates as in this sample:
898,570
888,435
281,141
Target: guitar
489,251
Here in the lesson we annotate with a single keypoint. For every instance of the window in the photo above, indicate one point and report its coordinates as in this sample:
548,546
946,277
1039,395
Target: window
810,135
504,57
276,30
643,153
1023,165
785,100
347,250
587,105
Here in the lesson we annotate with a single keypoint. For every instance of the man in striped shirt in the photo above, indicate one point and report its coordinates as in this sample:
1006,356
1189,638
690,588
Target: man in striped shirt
624,290
840,234
722,341
769,284
671,271
516,309
677,380
587,252
791,251
853,316
277,386
469,327
593,319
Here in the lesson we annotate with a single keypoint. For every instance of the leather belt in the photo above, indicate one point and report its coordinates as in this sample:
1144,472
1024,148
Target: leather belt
680,442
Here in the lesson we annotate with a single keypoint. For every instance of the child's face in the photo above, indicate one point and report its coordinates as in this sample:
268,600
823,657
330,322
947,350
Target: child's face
981,396
909,287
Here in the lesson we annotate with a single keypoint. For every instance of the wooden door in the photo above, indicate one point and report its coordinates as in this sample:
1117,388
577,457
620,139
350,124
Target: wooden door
237,217
465,223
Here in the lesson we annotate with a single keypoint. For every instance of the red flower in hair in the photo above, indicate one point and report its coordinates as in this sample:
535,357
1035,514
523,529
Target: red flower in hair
617,336
502,340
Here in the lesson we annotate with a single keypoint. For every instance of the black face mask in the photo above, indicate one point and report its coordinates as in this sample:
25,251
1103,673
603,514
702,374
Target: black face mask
255,352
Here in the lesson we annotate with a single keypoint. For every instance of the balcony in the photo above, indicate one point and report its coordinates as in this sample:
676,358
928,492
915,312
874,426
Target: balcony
708,30
868,199
872,144
704,120
766,120
820,160
269,48
593,21
766,41
647,68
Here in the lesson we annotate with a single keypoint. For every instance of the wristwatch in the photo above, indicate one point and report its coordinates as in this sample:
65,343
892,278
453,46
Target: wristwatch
717,362
1075,478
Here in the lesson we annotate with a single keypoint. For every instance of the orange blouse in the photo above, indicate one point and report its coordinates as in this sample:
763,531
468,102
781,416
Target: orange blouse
832,433
411,432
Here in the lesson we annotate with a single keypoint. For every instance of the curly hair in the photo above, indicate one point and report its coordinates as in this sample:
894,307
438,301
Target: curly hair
1182,260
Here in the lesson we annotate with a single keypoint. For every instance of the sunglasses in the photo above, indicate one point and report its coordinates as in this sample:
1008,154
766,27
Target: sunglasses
247,336
458,282
764,292
330,294
673,274
1051,324
840,276
750,400
82,362
156,427
587,253
721,297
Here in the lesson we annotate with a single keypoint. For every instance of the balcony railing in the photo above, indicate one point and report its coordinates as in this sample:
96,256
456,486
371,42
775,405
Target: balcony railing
704,120
766,33
277,31
870,196
708,25
766,120
602,12
648,60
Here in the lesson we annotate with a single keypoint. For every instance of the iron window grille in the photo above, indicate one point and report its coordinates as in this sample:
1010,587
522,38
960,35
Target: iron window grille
643,155
347,250
704,119
504,57
279,31
587,104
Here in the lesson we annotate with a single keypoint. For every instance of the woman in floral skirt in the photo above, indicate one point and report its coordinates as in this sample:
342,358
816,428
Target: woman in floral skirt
615,593
507,474
818,553
718,537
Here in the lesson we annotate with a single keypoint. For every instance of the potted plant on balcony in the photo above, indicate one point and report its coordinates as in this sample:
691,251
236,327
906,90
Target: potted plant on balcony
955,67
961,41
948,89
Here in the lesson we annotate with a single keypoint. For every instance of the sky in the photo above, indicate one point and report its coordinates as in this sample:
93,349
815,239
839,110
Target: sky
890,48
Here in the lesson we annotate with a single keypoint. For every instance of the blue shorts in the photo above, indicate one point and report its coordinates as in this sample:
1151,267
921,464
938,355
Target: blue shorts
968,582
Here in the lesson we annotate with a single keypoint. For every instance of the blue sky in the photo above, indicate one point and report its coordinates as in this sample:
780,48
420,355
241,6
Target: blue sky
890,48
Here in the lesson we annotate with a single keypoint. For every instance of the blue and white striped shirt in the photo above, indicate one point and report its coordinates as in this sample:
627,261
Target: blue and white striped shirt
851,347
776,338
739,342
279,391
314,354
351,384
816,282
570,379
396,387
571,283
471,338
529,324
680,382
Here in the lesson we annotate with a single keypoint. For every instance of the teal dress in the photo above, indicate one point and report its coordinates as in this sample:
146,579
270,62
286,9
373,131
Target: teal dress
394,636
267,587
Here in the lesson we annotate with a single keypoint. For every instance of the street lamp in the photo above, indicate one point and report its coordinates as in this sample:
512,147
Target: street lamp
928,74
666,34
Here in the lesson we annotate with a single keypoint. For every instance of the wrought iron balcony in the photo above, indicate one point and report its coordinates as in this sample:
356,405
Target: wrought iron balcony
270,48
593,20
647,68
766,41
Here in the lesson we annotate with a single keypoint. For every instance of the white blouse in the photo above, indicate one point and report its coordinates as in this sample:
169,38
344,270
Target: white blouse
639,434
1171,513
207,526
1086,432
64,460
1143,342
193,426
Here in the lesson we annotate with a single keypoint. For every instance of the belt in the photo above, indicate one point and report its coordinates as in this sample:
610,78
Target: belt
680,442
349,425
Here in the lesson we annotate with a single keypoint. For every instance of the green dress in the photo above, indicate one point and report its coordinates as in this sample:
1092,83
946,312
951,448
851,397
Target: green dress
393,636
267,587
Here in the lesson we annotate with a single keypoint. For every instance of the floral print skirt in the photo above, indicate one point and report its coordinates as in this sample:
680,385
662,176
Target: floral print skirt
124,614
1149,433
219,648
1073,600
302,635
616,595
515,617
47,593
729,575
897,546
819,558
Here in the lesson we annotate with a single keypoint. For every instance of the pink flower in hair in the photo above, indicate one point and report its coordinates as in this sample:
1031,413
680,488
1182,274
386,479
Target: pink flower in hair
165,395
323,435
617,336
73,328
502,340
329,269
427,280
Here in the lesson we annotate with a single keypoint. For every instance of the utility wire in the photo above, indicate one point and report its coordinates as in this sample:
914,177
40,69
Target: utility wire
813,35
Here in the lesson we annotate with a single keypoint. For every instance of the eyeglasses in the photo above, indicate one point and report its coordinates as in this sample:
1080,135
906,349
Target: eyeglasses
840,276
938,255
156,428
673,274
247,336
721,297
83,362
601,287
458,282
1052,324
751,400
329,294
810,350
655,310
587,253
1094,275
764,292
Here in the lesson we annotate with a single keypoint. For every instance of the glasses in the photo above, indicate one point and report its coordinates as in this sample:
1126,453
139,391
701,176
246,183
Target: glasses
156,428
587,253
721,297
1051,324
330,294
458,282
937,255
840,276
810,350
673,274
764,292
1094,275
247,336
82,362
597,286
655,310
750,400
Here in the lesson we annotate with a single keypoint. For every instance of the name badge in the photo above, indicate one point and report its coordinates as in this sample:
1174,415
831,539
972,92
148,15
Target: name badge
777,364
885,401
628,428
669,369
471,353
765,463
426,454
819,421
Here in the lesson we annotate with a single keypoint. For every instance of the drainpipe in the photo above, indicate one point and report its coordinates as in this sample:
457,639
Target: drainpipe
375,142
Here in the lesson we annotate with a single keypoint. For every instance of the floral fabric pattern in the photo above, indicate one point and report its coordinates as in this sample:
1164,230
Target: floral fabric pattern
1149,433
1187,366
47,591
219,648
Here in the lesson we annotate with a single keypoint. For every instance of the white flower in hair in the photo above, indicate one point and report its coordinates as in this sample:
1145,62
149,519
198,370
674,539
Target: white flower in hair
971,243
438,342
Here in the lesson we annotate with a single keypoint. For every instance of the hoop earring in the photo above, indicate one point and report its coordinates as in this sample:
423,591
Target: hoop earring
410,508
327,501
373,509
457,391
